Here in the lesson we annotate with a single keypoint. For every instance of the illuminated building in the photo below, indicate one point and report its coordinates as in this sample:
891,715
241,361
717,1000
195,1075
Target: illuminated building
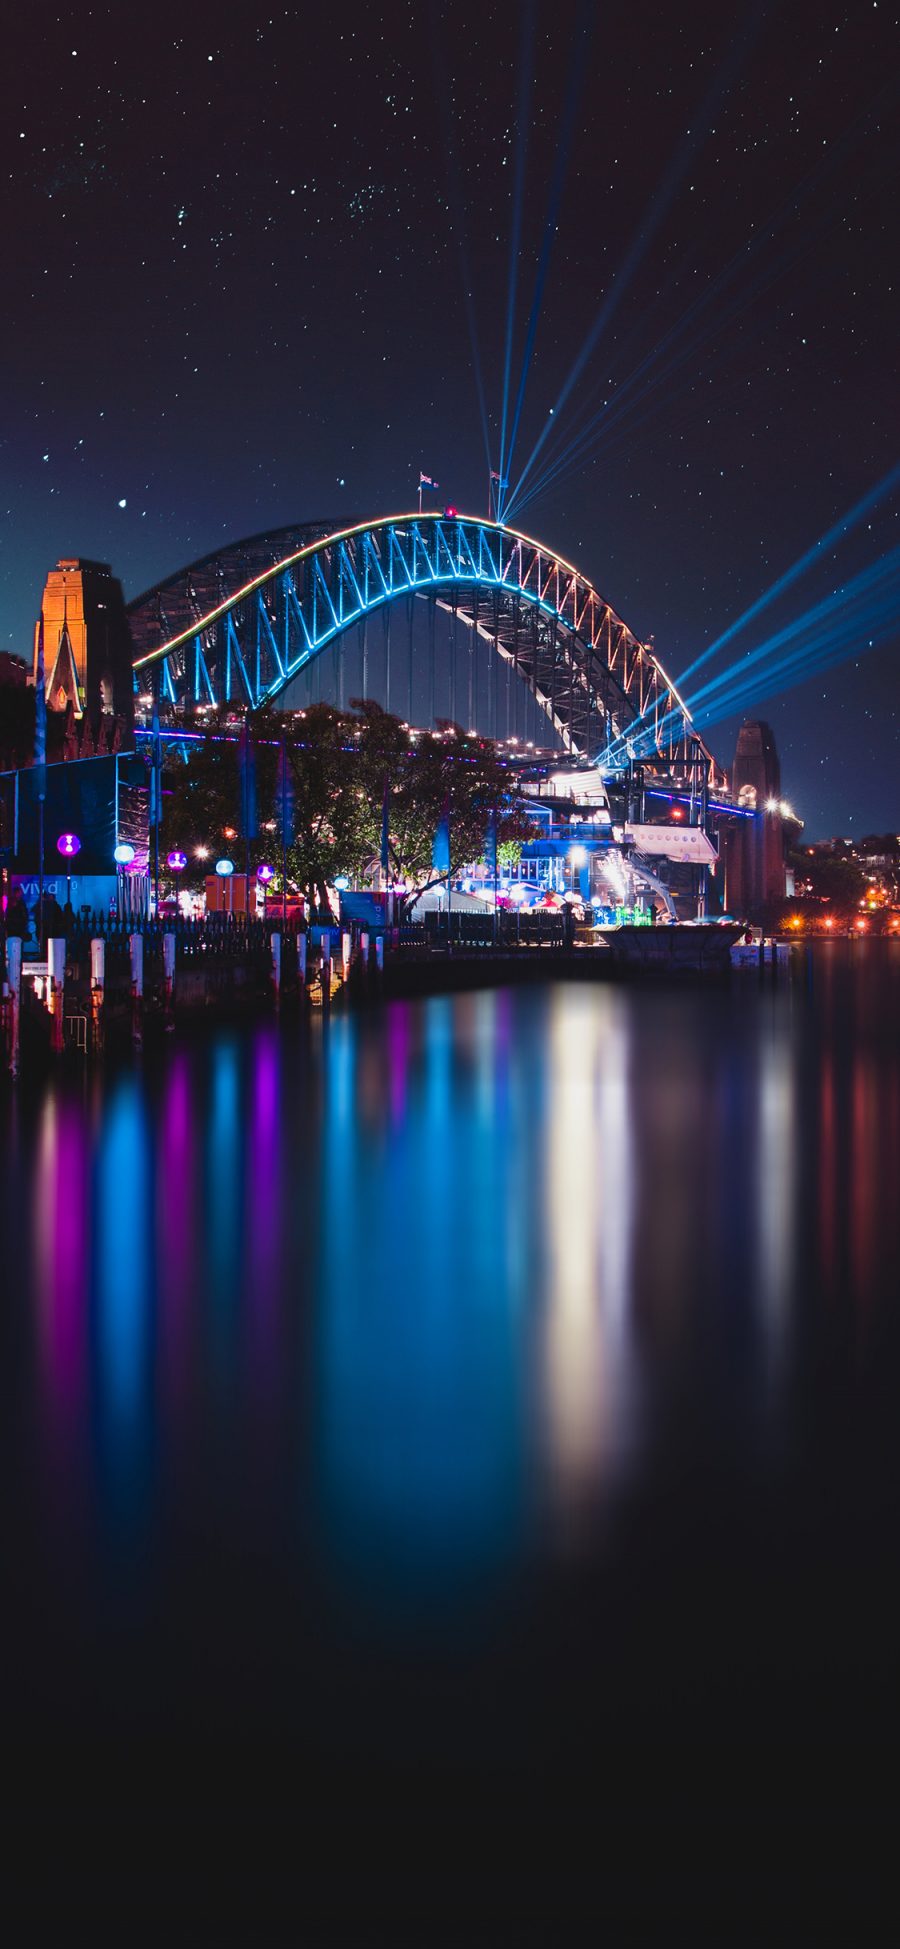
87,648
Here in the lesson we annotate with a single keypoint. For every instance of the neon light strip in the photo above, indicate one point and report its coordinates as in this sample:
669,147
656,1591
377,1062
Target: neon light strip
366,527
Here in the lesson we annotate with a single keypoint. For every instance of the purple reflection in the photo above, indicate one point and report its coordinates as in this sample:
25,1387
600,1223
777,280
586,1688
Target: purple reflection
59,1218
398,1057
262,1228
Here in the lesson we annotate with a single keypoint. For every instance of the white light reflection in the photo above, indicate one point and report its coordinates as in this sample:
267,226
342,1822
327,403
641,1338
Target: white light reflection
776,1195
589,1224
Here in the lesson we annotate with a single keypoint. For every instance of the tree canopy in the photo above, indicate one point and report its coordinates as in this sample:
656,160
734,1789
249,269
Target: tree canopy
345,770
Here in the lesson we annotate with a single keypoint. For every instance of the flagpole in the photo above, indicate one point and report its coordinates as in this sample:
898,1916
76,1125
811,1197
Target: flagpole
420,493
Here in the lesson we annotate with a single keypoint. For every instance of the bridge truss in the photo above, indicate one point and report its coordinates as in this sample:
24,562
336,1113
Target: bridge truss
238,627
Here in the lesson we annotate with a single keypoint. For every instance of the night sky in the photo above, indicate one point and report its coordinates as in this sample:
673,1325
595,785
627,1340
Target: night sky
246,251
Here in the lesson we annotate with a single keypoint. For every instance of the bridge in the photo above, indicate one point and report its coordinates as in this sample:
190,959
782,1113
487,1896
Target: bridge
239,626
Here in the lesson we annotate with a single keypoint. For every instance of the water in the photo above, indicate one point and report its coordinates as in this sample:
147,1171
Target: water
473,1423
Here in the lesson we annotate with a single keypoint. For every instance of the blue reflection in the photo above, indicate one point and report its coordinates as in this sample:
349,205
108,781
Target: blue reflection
124,1273
420,1434
223,1208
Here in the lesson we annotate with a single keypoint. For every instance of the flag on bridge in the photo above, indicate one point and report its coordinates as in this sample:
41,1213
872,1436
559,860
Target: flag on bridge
425,480
501,479
40,716
440,851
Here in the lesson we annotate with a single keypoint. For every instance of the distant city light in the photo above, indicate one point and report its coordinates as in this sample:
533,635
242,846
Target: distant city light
124,853
341,882
224,868
201,852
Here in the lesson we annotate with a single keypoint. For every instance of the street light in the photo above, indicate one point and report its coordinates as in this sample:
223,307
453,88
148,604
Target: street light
123,856
265,875
69,845
176,863
224,869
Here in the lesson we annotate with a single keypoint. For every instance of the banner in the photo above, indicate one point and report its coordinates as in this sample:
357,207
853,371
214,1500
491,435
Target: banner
688,844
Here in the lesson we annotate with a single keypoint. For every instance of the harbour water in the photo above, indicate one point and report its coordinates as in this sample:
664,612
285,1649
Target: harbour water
460,1441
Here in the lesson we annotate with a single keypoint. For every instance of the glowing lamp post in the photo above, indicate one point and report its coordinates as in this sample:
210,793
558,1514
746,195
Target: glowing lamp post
224,870
176,863
69,846
264,876
124,857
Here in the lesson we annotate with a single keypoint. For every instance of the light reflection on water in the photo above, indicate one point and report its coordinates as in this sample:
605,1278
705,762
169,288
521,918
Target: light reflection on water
413,1294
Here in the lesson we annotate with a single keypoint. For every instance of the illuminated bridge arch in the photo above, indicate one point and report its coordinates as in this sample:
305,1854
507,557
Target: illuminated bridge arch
243,623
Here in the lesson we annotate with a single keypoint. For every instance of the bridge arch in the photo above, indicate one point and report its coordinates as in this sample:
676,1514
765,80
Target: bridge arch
240,625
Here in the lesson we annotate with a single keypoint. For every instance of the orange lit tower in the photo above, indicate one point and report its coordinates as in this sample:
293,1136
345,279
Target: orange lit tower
87,648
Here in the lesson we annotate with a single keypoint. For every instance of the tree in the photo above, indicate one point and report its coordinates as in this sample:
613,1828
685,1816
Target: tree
343,767
201,798
840,881
442,772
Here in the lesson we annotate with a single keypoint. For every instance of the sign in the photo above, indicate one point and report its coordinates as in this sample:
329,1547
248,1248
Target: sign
688,844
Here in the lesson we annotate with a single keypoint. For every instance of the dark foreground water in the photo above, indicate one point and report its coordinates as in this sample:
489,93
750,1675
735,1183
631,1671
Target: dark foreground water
454,1456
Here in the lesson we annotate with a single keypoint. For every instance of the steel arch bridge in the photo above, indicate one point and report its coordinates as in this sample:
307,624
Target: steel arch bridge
238,626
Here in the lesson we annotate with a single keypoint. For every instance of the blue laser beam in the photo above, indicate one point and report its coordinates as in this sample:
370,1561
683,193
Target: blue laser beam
526,77
857,617
837,532
457,205
869,597
657,210
879,626
577,72
850,593
601,422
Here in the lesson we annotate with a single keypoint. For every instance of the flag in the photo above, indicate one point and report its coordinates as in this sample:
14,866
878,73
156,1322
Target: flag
40,717
425,480
385,809
440,851
284,791
247,763
499,478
